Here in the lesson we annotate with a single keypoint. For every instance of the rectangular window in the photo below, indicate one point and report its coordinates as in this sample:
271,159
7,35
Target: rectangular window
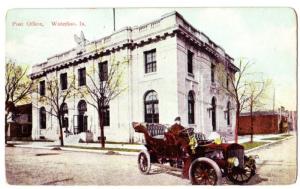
150,61
213,73
106,116
227,81
63,81
81,77
190,61
103,71
42,88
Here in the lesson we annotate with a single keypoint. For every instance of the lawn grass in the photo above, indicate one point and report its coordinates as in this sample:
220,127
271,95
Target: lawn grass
277,138
273,138
111,142
286,135
127,143
98,148
254,144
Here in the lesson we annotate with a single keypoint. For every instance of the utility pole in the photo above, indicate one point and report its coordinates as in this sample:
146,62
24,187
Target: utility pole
114,14
274,102
273,117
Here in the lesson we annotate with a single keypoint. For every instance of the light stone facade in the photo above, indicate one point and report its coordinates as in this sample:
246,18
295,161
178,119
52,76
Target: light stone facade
171,36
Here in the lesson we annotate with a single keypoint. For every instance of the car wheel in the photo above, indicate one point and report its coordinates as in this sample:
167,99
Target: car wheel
204,171
144,162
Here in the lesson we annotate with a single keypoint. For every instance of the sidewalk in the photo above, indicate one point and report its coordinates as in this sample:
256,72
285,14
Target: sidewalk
81,147
125,148
260,138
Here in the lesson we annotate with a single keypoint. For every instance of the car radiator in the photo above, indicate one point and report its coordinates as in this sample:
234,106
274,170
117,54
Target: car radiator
239,153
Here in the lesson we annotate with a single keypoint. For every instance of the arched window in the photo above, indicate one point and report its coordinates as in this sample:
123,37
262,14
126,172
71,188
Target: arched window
151,107
81,107
213,113
64,114
228,113
81,118
64,108
191,108
42,118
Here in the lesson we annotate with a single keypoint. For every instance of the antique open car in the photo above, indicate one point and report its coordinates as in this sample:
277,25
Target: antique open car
202,161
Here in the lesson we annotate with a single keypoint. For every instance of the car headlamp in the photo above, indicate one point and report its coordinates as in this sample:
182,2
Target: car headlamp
233,161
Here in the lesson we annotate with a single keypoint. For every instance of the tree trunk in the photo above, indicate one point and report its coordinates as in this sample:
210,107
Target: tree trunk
101,124
102,137
251,122
61,132
237,123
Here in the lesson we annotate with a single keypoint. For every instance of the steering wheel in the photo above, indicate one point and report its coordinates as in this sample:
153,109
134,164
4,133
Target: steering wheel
186,131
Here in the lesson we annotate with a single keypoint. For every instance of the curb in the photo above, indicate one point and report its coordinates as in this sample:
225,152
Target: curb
37,147
100,151
80,150
267,145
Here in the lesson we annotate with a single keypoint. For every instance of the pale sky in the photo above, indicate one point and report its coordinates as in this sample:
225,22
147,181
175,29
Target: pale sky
265,35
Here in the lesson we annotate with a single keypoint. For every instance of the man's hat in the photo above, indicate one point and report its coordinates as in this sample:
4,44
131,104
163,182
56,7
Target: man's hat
177,119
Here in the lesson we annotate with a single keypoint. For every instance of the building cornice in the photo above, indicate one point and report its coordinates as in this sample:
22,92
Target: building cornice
100,53
203,46
134,37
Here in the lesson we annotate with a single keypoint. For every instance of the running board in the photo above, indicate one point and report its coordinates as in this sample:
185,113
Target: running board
167,167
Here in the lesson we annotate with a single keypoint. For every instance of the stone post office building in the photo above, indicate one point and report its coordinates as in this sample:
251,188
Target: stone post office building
171,72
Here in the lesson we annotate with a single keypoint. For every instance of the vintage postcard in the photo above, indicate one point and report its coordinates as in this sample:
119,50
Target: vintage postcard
163,96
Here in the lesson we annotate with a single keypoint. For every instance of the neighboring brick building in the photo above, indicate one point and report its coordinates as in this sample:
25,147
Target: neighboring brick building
21,125
263,123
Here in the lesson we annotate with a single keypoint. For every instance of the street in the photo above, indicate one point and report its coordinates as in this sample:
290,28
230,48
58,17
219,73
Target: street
39,166
278,163
48,167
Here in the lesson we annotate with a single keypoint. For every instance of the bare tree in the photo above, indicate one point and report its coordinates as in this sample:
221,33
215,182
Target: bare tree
55,97
257,93
235,86
104,84
17,88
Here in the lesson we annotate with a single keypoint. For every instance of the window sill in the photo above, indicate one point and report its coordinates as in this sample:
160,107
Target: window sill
191,78
191,75
150,73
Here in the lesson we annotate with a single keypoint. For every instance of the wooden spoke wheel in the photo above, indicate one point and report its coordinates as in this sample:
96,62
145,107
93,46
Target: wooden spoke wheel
239,175
205,172
144,162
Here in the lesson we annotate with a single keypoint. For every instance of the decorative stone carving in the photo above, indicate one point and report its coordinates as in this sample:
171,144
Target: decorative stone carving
81,42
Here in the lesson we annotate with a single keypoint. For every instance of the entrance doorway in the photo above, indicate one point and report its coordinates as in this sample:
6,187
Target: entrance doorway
82,118
213,113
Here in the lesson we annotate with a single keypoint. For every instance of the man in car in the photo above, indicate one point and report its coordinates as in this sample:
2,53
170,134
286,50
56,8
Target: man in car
174,131
176,127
